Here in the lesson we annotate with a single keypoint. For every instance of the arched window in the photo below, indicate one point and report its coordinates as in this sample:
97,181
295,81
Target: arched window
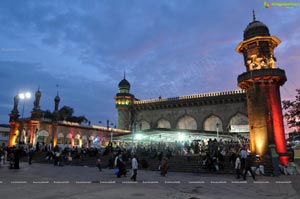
187,122
142,125
212,123
60,138
42,136
77,139
162,123
239,123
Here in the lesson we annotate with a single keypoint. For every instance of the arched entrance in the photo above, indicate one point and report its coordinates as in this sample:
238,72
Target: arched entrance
187,122
213,123
164,124
43,137
142,125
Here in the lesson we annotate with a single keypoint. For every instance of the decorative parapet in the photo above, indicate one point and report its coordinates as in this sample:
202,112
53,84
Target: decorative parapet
261,73
188,97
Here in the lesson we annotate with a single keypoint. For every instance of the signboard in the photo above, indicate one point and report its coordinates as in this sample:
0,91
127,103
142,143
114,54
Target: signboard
239,128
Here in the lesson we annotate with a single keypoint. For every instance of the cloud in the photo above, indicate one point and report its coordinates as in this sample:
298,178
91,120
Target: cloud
167,48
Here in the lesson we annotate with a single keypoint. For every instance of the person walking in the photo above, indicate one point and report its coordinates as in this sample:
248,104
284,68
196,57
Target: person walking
134,166
248,165
5,156
243,154
30,156
99,163
238,167
164,167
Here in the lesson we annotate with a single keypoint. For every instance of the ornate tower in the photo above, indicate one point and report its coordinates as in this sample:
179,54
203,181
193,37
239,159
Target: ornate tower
55,113
261,81
36,111
14,112
124,101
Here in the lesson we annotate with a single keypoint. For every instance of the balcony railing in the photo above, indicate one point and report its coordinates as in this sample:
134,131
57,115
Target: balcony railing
261,73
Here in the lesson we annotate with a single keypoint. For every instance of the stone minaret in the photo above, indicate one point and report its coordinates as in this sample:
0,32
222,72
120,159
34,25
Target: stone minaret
36,111
55,113
262,81
14,112
124,104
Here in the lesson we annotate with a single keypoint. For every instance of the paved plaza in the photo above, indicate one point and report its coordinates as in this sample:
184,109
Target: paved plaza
45,181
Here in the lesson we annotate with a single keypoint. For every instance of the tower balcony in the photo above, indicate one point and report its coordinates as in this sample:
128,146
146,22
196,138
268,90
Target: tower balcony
270,75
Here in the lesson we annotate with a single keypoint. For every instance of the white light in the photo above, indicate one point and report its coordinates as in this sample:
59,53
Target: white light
181,137
28,95
138,136
21,96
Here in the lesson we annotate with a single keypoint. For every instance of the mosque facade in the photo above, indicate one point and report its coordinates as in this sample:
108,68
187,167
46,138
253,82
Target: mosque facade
37,129
217,111
257,106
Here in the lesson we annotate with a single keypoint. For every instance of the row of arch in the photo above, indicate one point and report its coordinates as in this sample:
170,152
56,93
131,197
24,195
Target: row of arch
188,122
69,139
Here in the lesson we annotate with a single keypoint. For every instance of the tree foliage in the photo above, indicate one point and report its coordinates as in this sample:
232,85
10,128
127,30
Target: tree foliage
48,114
292,109
66,113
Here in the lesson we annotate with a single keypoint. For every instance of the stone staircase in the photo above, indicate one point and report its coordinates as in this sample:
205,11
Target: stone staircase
267,163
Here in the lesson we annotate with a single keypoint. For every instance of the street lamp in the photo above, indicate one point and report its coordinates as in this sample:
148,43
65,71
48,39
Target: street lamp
24,96
111,132
217,125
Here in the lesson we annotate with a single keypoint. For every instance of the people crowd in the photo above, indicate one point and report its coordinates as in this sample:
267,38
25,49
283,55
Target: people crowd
122,156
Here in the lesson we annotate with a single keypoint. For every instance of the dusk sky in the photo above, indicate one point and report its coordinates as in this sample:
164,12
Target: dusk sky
167,48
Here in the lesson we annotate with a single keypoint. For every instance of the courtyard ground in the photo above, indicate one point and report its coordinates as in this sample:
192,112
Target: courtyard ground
45,181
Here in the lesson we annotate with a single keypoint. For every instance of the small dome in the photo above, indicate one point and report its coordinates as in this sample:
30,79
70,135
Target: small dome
256,28
124,84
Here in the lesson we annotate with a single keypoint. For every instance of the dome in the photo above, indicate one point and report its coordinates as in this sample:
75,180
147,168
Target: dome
256,28
124,84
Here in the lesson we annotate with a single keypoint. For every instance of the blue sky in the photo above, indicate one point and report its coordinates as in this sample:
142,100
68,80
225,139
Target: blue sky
168,48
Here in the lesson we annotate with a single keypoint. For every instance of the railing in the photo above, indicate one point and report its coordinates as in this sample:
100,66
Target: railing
261,73
194,96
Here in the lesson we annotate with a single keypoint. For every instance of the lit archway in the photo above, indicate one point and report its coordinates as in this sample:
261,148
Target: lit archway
187,122
212,123
42,136
142,125
163,123
60,138
239,123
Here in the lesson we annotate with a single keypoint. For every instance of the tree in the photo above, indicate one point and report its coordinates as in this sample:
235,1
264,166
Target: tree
48,114
79,119
293,111
65,112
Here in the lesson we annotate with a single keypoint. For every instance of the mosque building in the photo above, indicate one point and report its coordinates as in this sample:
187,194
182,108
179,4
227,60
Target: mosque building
255,109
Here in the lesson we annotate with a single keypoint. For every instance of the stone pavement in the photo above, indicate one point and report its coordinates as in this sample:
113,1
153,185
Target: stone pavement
44,181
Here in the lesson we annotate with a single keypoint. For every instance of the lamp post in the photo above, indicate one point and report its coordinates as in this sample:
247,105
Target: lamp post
217,125
111,132
23,96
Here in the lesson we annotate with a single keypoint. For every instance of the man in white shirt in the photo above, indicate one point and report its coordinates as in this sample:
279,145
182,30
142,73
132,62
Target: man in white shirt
243,158
134,165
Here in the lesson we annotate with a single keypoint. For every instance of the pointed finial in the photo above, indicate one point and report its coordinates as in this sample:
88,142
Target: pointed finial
57,88
124,74
39,88
254,19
